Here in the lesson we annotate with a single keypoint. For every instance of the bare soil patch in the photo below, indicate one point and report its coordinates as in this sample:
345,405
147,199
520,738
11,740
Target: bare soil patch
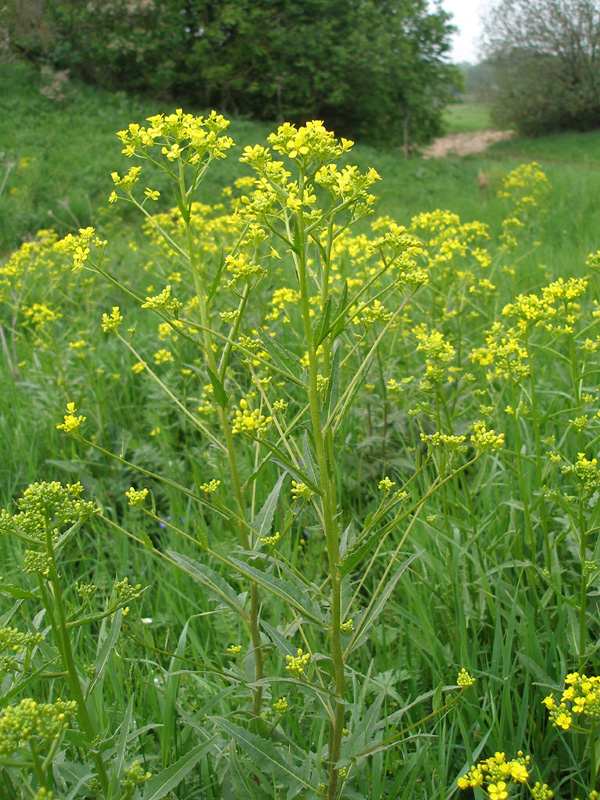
461,144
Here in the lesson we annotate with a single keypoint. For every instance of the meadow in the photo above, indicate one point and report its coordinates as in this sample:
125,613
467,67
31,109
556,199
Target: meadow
331,440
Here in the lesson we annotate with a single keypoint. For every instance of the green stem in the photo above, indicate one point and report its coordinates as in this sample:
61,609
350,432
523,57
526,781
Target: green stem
230,447
55,608
323,445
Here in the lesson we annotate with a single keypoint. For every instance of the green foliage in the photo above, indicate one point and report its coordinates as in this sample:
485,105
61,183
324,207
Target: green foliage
545,68
445,561
373,70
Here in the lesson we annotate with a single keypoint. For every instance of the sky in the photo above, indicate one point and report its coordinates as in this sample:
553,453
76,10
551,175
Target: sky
466,17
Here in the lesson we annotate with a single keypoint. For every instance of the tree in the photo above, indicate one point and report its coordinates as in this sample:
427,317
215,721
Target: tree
546,54
372,69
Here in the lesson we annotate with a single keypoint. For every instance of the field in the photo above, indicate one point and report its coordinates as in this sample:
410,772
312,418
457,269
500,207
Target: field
337,530
466,117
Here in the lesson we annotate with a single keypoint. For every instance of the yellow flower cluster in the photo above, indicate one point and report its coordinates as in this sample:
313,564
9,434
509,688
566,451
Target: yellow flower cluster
386,485
181,137
71,423
297,664
110,324
301,491
311,142
281,706
242,268
581,697
585,471
271,541
79,246
136,497
163,301
210,487
464,679
31,721
505,351
482,439
498,774
252,423
446,440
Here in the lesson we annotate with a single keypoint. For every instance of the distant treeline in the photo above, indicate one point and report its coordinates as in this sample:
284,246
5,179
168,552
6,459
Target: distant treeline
372,69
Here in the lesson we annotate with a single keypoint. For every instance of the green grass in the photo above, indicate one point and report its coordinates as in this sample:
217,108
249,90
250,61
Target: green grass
466,117
496,585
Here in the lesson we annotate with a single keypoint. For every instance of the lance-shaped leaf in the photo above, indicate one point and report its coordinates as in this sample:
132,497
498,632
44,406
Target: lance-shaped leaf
160,785
272,760
264,519
292,593
321,326
380,603
289,362
108,643
220,395
211,580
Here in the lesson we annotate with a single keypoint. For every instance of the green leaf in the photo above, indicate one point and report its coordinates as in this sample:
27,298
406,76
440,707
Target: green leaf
293,594
217,279
321,326
201,536
309,458
14,591
171,690
355,554
284,645
238,772
438,700
121,746
106,648
286,360
339,318
211,580
333,387
160,785
380,603
220,395
263,521
269,758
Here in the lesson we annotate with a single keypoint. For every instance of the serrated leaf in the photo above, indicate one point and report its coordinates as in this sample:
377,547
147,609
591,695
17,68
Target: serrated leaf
20,594
219,394
293,594
339,318
321,326
358,551
160,785
217,279
284,645
286,360
271,759
263,521
210,579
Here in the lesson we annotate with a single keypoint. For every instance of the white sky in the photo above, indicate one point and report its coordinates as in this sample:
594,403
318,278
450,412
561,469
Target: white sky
466,16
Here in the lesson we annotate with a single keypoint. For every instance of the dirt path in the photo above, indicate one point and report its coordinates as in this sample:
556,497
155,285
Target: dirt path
464,143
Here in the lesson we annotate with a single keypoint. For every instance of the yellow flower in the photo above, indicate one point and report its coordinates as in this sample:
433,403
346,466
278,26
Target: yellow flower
497,791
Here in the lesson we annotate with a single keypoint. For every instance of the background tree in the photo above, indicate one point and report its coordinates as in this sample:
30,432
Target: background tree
546,55
372,69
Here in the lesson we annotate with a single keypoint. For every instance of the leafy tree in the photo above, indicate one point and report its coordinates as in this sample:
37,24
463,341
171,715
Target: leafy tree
372,69
546,54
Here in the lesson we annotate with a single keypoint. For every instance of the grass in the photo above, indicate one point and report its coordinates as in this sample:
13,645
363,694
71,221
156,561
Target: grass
466,117
504,548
